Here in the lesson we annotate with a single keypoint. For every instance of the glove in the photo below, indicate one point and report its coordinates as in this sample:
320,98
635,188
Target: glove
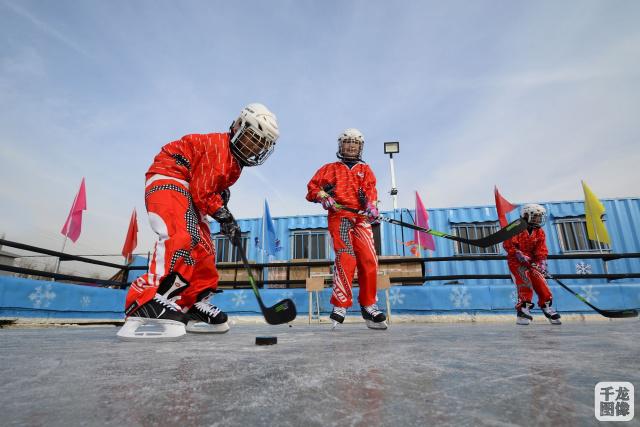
326,200
228,225
523,259
372,213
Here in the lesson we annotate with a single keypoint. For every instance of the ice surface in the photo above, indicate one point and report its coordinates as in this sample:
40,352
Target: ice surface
412,374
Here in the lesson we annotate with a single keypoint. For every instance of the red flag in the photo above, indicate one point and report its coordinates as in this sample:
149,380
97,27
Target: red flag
503,207
423,239
132,238
73,226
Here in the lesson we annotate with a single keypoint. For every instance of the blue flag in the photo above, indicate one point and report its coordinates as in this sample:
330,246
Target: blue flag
271,242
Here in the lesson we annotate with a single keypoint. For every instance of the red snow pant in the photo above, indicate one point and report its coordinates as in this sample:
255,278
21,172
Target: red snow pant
527,280
354,248
184,245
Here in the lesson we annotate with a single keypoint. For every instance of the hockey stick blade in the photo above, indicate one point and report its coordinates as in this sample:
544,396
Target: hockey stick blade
283,311
512,229
613,314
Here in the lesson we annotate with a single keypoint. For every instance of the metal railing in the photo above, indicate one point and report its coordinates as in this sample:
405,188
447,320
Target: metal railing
287,282
67,257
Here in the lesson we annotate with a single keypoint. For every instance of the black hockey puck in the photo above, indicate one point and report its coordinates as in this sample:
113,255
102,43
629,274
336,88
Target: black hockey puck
266,340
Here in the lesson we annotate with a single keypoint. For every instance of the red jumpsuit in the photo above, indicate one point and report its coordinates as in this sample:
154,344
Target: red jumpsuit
351,233
526,278
183,185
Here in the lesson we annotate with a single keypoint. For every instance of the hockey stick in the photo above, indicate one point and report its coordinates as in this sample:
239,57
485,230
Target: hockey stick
516,227
282,312
613,314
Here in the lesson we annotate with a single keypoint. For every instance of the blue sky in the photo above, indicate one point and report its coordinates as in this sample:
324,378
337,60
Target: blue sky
531,96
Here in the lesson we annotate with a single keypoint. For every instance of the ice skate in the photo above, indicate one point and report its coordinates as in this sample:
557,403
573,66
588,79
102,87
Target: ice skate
337,316
551,314
375,318
205,317
159,319
524,314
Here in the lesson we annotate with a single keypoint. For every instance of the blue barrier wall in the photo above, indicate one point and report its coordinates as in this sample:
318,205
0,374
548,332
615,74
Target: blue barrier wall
44,299
26,298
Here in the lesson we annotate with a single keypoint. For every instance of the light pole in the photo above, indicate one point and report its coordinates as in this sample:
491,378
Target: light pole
392,148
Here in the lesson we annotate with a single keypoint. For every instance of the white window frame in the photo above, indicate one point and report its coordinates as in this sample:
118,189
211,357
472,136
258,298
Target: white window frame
225,254
310,232
577,242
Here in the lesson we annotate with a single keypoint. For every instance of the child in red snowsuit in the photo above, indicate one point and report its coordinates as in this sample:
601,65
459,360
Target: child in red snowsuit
189,180
351,183
527,259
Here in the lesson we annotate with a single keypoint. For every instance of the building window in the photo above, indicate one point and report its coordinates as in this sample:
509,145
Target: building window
475,231
309,244
225,251
572,233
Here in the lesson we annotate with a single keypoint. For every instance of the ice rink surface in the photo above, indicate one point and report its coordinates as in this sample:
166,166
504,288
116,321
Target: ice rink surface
489,374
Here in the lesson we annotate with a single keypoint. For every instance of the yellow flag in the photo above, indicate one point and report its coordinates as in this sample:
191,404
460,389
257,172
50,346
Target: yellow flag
594,210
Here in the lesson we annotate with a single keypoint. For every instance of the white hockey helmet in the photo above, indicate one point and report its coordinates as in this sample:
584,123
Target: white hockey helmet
254,134
350,144
535,215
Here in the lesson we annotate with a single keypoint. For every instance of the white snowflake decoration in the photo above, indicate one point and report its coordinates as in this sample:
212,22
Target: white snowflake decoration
42,296
583,268
396,297
239,298
460,297
85,301
589,293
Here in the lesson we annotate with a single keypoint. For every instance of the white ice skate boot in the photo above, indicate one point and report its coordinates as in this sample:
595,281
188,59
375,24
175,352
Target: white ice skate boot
524,314
337,316
551,314
205,317
375,318
158,319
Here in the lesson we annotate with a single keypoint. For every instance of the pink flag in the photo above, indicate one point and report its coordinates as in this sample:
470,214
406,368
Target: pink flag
73,226
131,241
423,239
503,207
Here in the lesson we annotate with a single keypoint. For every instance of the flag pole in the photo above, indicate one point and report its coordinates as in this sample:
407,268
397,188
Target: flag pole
604,263
66,236
595,229
64,243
